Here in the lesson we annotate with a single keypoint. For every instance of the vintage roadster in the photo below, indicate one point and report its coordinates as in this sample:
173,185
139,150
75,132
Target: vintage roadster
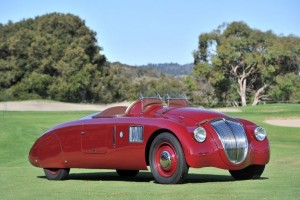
169,136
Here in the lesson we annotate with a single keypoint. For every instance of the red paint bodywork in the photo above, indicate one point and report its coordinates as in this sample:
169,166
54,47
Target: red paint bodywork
102,141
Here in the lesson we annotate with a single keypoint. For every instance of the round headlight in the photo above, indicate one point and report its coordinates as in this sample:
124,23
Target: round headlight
260,133
200,134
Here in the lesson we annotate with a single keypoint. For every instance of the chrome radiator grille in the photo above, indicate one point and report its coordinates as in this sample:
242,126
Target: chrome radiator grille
233,138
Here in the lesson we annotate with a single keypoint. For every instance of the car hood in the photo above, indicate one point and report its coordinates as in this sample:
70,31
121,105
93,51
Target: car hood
196,114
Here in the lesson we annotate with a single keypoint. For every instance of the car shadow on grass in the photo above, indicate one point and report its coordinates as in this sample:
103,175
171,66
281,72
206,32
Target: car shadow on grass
207,178
146,177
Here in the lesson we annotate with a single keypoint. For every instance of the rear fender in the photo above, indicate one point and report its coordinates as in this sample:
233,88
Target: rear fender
47,152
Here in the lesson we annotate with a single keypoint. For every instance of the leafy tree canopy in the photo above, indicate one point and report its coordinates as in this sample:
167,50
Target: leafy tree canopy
243,62
53,56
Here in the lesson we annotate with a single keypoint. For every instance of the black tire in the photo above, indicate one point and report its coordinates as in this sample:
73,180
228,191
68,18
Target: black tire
250,172
56,174
127,173
167,160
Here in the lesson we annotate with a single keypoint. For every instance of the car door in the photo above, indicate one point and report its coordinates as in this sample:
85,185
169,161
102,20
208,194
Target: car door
96,137
128,145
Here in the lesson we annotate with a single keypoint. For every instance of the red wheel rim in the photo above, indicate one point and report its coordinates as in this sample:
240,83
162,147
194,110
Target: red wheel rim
53,171
166,159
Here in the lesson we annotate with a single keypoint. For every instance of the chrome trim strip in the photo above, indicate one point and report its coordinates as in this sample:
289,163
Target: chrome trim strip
114,136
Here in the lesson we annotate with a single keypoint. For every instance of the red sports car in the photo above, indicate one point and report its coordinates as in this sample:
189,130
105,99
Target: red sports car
168,136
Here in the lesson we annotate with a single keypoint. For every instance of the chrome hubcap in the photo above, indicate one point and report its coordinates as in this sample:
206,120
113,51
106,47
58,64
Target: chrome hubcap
165,159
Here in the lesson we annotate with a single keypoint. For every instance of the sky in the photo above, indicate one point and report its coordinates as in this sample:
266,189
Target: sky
138,32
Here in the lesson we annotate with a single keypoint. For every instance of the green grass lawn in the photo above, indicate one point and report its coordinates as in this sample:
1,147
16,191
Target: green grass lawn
20,180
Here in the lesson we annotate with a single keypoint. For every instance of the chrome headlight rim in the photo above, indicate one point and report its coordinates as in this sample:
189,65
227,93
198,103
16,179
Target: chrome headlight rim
200,134
260,133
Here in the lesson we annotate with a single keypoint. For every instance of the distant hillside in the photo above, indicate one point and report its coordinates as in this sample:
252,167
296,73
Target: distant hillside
131,80
134,73
173,69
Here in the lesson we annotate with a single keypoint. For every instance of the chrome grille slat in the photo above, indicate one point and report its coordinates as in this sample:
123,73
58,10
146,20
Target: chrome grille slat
233,138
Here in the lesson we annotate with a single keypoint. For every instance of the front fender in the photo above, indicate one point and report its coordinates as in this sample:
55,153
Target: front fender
185,136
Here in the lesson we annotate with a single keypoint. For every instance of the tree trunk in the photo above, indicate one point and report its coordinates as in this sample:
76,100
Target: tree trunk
257,95
242,90
255,101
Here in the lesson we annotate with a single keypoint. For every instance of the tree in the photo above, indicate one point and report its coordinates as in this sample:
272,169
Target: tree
287,88
236,56
54,56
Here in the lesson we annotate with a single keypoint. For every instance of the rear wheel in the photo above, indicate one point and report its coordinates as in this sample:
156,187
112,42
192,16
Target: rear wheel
167,160
127,173
250,172
56,174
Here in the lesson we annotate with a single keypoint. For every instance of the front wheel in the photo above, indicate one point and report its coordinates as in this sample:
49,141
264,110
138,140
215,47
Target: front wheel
250,172
167,160
56,174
